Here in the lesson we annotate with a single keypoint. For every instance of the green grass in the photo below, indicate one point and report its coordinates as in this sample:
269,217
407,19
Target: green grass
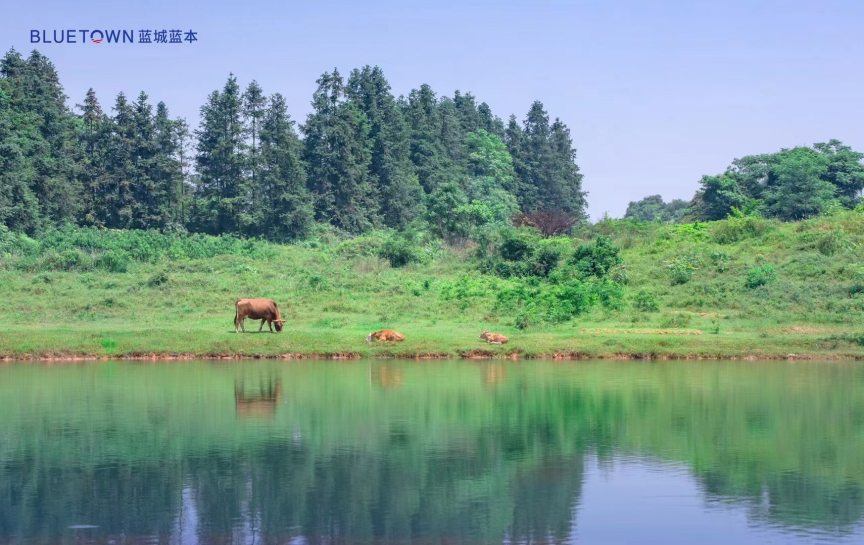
733,288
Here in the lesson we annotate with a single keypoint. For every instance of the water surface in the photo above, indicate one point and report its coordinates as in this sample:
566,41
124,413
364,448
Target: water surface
432,452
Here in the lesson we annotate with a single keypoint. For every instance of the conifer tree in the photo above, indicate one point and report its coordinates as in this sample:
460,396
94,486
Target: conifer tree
94,140
395,185
337,152
118,193
287,212
166,169
220,160
19,206
431,161
254,110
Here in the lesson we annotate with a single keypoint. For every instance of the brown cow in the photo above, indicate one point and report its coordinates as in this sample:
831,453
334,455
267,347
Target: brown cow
494,338
257,309
385,335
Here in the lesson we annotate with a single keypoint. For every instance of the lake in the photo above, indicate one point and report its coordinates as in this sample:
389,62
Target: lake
432,452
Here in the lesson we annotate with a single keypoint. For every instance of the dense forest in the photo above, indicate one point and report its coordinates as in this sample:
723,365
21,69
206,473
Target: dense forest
363,159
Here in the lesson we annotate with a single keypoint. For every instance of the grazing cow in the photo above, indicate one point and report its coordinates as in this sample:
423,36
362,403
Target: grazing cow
385,335
257,309
494,338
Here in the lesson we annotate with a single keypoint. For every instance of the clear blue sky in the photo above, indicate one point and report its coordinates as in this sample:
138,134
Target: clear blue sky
655,93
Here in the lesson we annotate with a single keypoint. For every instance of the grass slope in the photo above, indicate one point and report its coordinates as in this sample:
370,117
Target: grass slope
742,287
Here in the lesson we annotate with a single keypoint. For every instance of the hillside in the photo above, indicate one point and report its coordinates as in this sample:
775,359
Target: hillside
740,287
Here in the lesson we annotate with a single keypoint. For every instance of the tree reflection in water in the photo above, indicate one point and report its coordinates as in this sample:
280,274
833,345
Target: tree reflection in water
402,451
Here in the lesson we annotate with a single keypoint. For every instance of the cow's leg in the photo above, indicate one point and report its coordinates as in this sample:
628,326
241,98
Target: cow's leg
243,327
261,326
270,325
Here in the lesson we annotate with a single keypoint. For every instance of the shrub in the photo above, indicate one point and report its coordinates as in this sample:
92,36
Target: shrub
645,302
400,251
115,261
516,245
676,320
548,222
546,261
596,259
734,229
760,276
681,268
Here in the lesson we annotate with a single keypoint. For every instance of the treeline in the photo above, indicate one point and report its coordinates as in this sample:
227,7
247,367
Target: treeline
790,185
363,159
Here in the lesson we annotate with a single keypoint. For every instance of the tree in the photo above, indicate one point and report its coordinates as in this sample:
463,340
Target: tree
337,152
431,161
222,189
38,149
94,138
844,171
545,164
254,110
167,169
286,212
391,173
653,208
798,189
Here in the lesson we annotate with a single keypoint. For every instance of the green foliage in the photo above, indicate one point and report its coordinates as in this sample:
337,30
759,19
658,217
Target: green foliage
653,208
401,249
517,244
760,276
681,268
596,259
790,185
676,320
645,302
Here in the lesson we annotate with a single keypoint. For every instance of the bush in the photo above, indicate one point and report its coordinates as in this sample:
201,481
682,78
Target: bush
681,268
115,261
734,229
546,261
676,320
516,245
645,302
401,250
760,276
596,259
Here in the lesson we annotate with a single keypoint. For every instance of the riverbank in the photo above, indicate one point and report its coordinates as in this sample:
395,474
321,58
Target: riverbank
743,288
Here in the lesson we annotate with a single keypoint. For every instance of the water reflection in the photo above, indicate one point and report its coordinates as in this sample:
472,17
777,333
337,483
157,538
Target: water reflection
260,403
391,451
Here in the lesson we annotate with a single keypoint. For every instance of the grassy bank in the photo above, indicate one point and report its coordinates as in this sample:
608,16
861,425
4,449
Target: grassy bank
742,287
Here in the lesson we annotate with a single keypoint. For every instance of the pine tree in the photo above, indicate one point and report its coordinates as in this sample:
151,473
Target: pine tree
524,189
391,174
489,122
254,110
222,189
286,212
166,169
118,192
337,152
564,188
38,149
94,141
19,206
545,162
431,160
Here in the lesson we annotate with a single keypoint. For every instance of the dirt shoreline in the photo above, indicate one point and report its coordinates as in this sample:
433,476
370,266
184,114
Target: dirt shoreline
475,354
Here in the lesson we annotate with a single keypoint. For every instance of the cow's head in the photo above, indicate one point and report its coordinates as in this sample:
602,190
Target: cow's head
279,324
484,335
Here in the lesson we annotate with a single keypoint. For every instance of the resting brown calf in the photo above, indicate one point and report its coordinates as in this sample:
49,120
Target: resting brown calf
494,338
257,309
385,335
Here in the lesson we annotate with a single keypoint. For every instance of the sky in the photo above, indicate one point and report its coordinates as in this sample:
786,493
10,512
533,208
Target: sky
656,94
